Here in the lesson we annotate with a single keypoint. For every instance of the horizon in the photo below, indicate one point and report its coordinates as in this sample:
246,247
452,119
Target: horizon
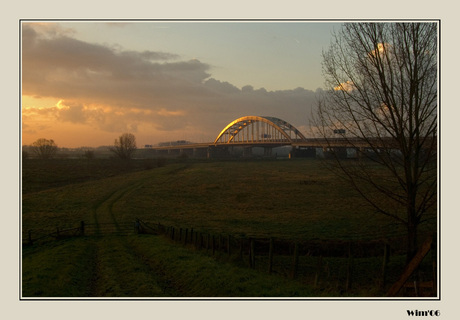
86,83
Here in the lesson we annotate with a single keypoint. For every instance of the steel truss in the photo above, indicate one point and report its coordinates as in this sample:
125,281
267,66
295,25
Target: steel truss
256,129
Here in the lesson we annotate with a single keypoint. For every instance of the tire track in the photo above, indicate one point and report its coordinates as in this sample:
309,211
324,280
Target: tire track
109,252
119,270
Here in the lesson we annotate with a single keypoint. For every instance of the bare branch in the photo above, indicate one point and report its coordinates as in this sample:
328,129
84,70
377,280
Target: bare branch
125,146
382,89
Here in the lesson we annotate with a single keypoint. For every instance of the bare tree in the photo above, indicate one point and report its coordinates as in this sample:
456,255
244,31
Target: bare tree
382,101
88,154
44,148
125,146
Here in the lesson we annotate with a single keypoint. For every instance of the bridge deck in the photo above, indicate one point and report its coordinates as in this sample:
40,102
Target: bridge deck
312,143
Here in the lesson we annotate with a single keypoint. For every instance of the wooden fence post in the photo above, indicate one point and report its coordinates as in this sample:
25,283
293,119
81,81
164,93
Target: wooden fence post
185,237
136,226
252,254
270,256
228,245
82,227
318,270
349,268
295,261
213,244
386,259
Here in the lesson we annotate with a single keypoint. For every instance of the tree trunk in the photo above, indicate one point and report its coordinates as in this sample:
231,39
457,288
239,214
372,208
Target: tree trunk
411,238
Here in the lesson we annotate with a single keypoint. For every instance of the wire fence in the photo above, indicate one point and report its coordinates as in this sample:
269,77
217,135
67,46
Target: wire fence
40,236
336,265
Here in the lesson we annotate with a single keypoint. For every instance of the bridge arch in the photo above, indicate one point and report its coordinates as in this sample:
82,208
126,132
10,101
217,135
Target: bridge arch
257,129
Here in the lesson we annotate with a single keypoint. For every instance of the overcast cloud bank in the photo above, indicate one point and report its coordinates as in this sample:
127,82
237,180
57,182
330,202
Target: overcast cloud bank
148,93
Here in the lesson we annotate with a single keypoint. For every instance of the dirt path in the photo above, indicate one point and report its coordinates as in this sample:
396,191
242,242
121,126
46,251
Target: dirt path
119,271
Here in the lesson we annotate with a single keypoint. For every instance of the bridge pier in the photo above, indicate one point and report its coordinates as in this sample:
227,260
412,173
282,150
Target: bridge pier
174,152
302,152
247,151
360,152
339,152
267,151
162,152
187,152
214,152
200,153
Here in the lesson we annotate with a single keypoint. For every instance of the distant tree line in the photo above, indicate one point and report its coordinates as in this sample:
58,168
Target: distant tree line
124,148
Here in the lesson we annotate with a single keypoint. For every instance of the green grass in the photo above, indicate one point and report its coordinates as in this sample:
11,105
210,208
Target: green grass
39,174
286,199
142,266
59,269
283,199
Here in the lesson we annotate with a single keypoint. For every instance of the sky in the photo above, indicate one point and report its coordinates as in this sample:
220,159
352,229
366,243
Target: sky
84,83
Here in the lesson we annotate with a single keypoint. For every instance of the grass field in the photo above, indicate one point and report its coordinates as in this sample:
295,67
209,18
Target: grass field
285,199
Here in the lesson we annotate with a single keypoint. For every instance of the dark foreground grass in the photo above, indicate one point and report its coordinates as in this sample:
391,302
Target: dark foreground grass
295,200
142,266
283,199
39,174
58,269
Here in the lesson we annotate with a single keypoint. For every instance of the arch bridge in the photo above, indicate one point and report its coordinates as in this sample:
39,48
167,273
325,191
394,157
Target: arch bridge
268,133
243,133
256,130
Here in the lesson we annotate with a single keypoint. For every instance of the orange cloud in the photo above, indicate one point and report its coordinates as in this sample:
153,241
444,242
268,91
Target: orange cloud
381,50
170,113
70,85
347,86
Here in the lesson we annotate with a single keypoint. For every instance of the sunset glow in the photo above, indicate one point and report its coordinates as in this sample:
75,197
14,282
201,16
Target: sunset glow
345,86
83,84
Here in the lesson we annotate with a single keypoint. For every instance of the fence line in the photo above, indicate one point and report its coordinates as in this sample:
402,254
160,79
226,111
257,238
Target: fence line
268,253
307,259
89,229
314,247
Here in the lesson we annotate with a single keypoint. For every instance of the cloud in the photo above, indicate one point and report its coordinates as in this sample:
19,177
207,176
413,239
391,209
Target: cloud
74,114
220,87
347,86
381,50
58,65
117,90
